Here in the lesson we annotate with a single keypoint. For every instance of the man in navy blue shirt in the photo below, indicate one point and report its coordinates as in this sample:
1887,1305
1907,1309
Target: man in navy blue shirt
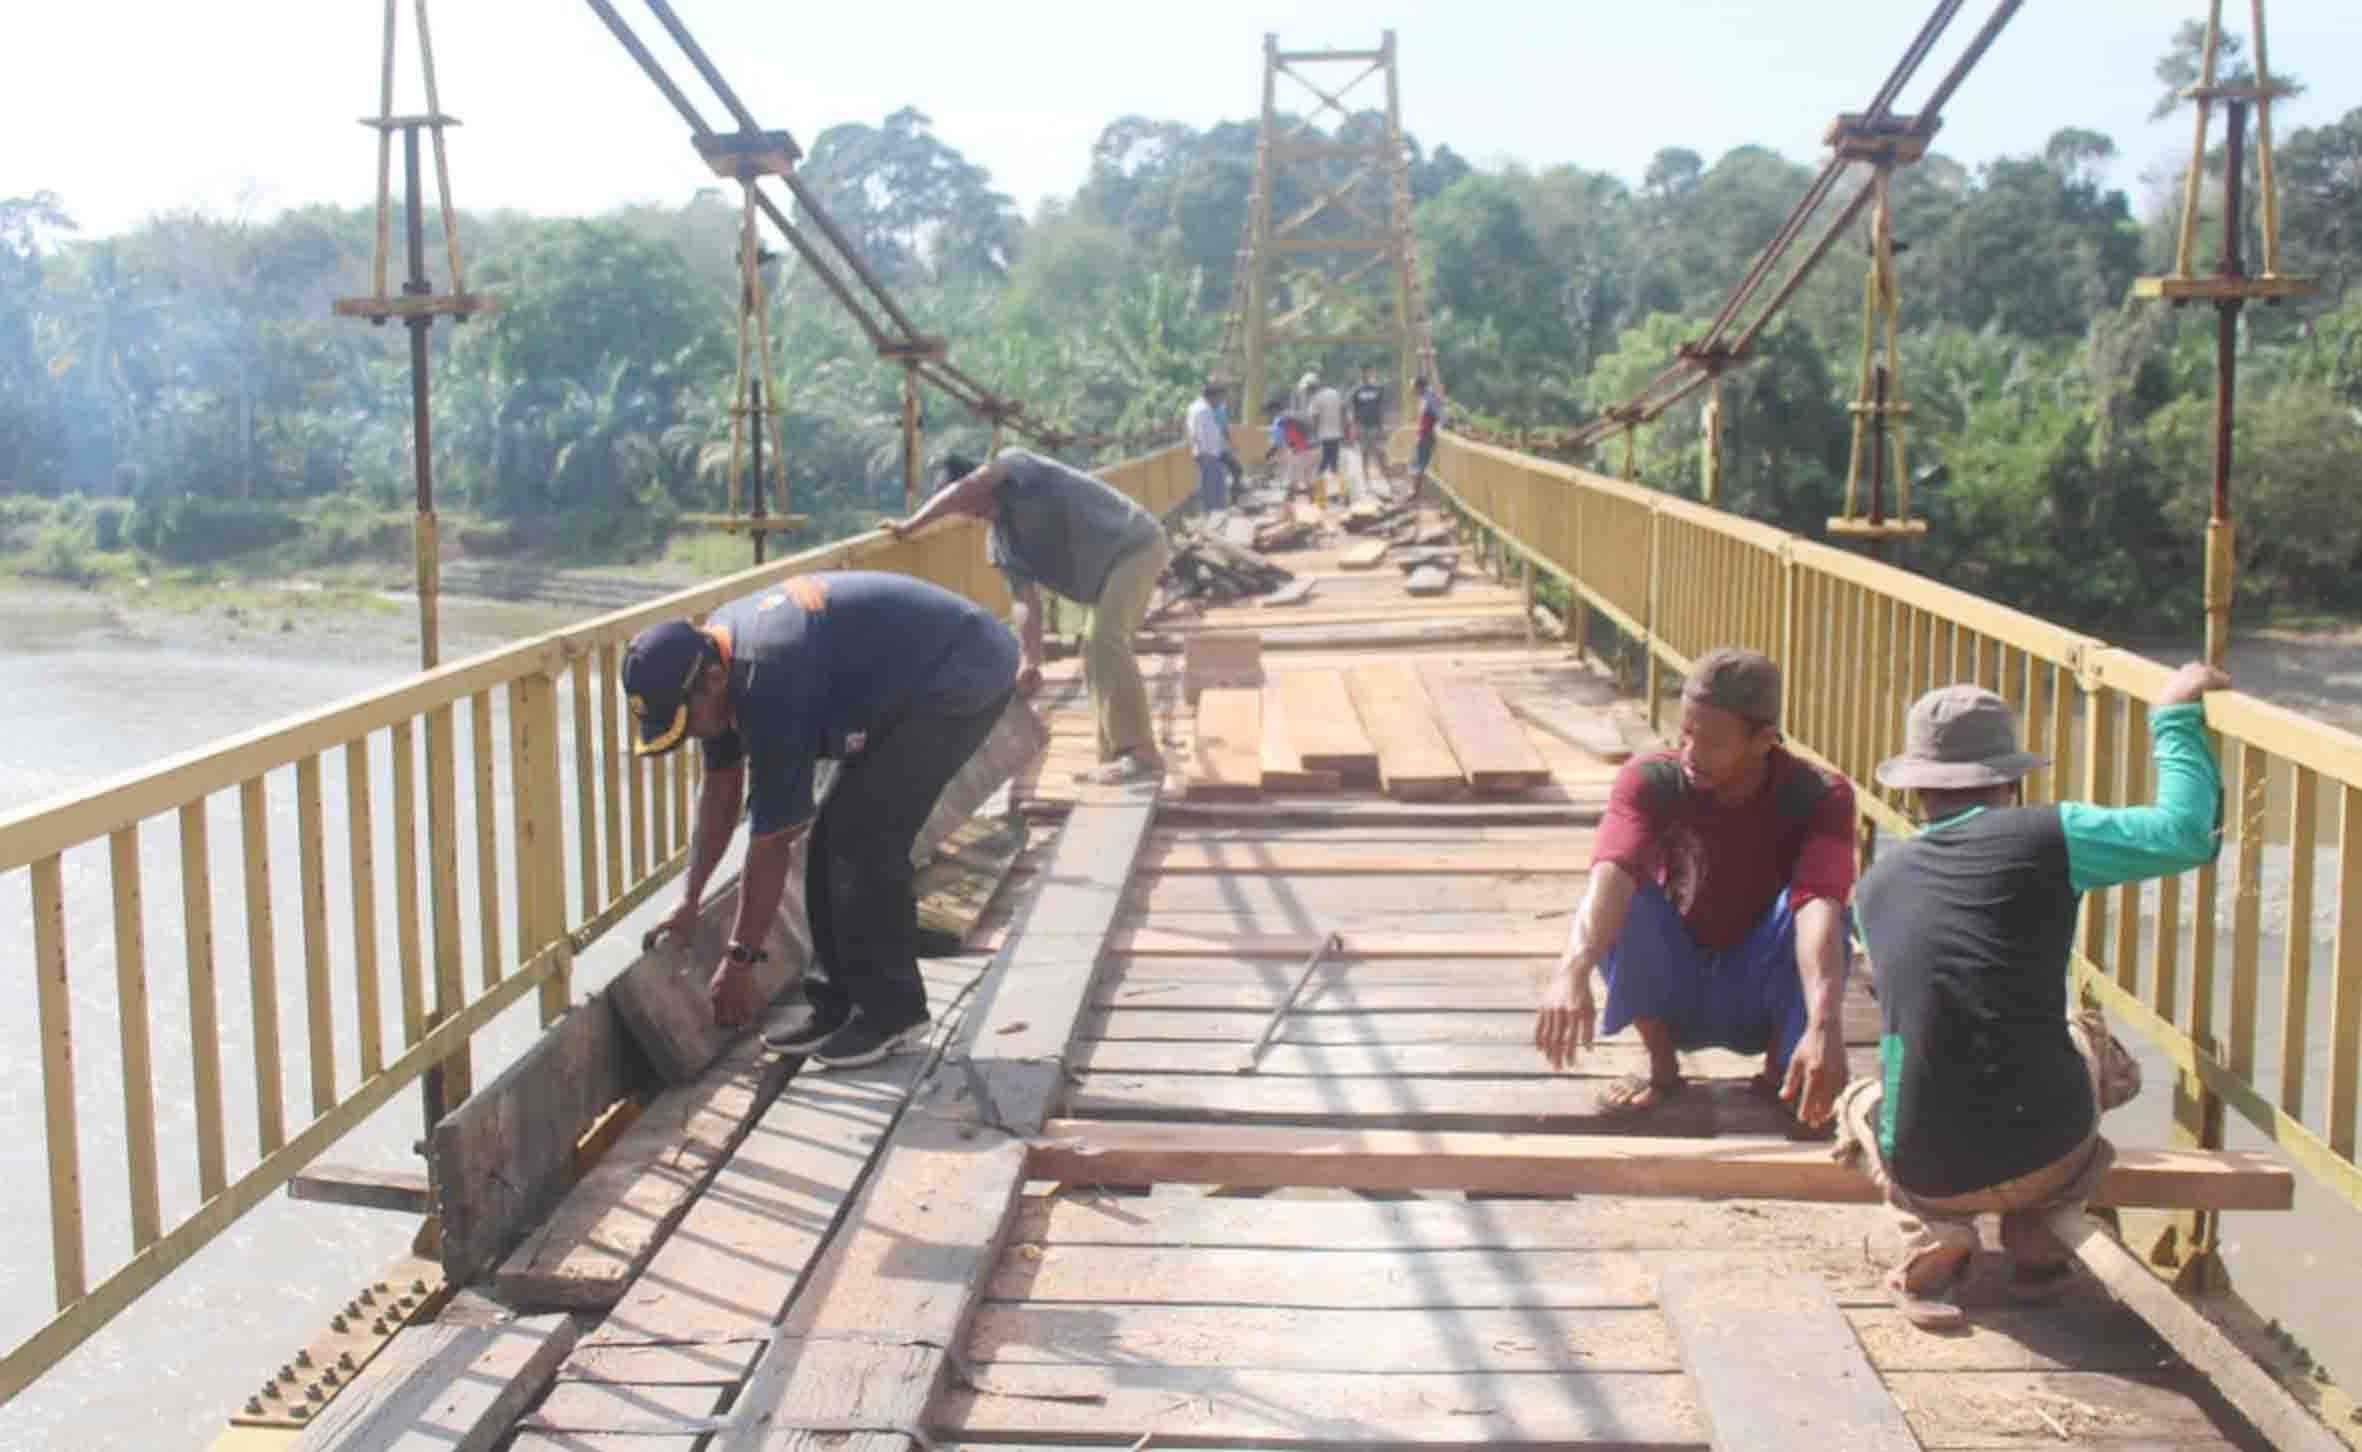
895,679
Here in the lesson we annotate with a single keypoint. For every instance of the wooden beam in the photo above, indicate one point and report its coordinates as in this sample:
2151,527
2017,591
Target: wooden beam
1141,942
1544,1164
465,1382
1280,763
1300,859
1492,748
1226,750
2231,1371
1327,732
2215,289
1415,762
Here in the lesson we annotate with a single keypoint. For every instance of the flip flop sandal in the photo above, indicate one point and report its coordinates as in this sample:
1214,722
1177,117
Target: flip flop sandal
1622,1097
1930,1310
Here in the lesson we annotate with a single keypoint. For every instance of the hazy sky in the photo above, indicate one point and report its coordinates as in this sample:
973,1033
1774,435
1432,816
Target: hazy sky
125,107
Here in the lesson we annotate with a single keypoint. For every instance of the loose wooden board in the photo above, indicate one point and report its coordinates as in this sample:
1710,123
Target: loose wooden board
1776,1365
1570,1164
662,999
444,1388
1295,592
1225,759
1364,556
1415,762
1428,580
1327,733
1142,942
1208,660
1489,744
1291,1338
1282,765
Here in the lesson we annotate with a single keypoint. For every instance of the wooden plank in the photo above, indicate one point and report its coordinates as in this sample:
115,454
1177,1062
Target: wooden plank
1440,1280
1580,807
870,1341
446,1387
1415,762
661,997
505,1157
1334,1226
2069,1409
1428,580
1586,728
1561,1164
611,1223
1321,721
1219,660
1295,592
1365,555
1336,1062
1296,1338
597,1408
1534,1102
371,1189
2223,1364
1141,942
718,1362
1282,764
1226,749
1266,902
1452,1408
748,1240
1776,1366
1299,859
1492,748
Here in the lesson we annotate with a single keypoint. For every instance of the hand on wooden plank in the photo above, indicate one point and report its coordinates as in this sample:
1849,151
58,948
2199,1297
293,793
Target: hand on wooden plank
731,991
680,926
1568,1018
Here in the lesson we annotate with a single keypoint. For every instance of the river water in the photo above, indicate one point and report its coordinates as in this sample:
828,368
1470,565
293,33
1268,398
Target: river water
96,694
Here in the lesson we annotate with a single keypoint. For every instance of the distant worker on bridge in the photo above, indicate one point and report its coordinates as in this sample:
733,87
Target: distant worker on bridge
1209,446
1369,421
899,681
1991,1094
1715,909
1056,526
1431,416
1328,425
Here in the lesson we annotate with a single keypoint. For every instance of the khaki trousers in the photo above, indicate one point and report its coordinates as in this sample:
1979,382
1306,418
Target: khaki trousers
1119,697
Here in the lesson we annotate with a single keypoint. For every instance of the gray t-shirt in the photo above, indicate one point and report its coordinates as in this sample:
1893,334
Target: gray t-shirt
1061,528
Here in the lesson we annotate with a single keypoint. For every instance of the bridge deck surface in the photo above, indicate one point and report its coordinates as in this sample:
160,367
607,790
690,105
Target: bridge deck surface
1131,1316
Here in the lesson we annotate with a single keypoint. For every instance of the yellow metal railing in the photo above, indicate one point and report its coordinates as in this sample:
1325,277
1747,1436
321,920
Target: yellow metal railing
509,809
1859,640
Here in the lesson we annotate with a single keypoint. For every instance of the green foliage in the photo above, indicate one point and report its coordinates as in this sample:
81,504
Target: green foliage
197,529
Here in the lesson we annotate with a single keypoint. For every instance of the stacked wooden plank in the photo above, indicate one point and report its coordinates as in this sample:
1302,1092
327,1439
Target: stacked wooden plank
1419,734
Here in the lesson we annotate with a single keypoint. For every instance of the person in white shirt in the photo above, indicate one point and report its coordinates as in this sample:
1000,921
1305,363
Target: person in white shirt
1208,447
1328,426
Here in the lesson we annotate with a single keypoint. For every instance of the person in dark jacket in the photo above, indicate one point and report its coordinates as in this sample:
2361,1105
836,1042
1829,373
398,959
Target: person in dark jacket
1990,1094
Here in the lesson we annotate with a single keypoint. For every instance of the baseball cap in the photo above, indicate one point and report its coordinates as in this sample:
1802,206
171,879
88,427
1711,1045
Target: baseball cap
658,667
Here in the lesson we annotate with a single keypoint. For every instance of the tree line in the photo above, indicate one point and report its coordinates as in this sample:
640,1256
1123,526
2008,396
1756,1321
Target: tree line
2060,436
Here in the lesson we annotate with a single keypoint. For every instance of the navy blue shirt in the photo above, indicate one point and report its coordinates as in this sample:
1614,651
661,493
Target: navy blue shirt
821,663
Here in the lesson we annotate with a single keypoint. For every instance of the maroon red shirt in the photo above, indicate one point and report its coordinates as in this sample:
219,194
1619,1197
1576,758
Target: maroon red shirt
1722,867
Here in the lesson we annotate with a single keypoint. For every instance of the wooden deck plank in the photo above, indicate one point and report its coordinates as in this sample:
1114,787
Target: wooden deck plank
1608,1410
1296,859
1442,1281
1539,1103
1491,746
609,1225
444,1387
1322,722
1281,761
1268,1338
1225,760
1776,1365
1415,762
1262,901
661,998
2000,1409
1118,1153
1601,1223
1145,942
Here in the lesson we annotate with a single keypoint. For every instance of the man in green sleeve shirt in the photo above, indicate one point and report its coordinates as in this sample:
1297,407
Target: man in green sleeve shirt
1989,1096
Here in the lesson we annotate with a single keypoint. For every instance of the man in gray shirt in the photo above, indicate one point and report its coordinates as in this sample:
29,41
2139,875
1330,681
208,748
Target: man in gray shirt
1056,526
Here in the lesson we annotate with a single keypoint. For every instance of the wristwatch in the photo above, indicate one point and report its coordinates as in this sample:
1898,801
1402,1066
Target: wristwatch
741,953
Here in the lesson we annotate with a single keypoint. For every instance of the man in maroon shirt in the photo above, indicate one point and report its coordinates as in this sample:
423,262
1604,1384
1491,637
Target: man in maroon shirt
1716,903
